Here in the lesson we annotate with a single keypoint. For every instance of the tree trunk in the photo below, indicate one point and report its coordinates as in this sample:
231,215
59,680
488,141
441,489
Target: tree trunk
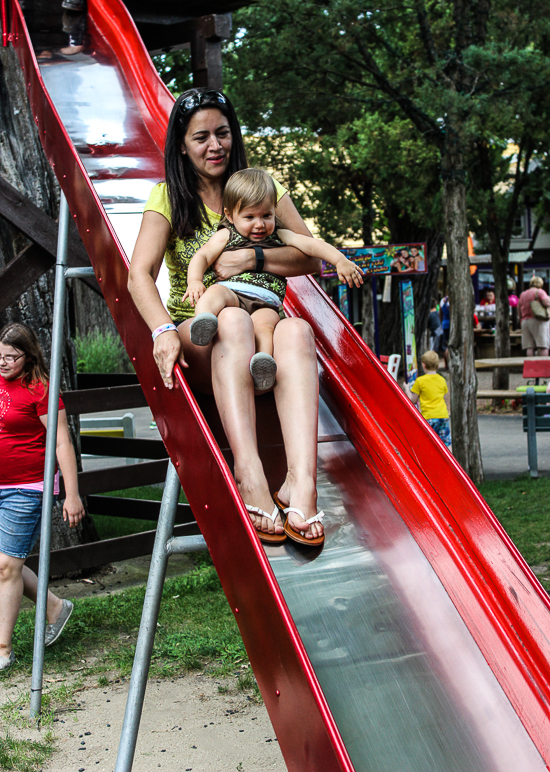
465,432
24,165
501,376
499,262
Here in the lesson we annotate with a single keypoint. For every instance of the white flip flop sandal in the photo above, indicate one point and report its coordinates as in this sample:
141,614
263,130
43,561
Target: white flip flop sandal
268,538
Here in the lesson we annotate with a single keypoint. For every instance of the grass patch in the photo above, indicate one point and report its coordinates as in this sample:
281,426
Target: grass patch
523,508
25,755
196,630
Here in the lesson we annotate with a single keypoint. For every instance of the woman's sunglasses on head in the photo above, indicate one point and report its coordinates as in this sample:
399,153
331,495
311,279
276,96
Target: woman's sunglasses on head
195,100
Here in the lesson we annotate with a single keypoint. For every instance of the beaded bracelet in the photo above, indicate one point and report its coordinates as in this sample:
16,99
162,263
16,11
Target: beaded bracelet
164,328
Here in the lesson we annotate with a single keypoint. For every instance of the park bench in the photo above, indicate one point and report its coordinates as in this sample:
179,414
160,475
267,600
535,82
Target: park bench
110,426
536,418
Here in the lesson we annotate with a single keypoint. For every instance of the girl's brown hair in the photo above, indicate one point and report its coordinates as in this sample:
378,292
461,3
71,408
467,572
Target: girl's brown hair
24,339
248,187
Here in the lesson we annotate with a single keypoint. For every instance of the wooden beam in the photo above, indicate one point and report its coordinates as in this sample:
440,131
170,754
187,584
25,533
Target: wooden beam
122,447
119,477
21,273
498,394
102,380
41,229
100,553
99,400
136,509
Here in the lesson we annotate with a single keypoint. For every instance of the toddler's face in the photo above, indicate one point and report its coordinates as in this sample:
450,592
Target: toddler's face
254,222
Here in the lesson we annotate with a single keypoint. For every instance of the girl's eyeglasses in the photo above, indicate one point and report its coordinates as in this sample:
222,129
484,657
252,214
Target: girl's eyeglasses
9,359
195,100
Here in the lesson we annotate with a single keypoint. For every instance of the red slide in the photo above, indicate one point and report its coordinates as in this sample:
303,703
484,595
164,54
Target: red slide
417,640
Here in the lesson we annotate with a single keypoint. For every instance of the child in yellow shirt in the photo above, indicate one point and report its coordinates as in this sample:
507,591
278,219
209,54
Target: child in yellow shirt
431,390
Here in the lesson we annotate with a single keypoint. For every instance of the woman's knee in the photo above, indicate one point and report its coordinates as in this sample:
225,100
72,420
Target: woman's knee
10,567
296,333
234,322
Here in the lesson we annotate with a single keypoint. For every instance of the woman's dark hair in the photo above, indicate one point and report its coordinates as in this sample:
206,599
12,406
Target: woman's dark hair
24,339
188,211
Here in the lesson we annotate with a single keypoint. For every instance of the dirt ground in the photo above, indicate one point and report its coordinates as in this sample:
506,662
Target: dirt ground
193,722
187,725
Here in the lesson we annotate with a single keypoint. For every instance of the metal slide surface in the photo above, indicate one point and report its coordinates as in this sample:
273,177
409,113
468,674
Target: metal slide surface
417,640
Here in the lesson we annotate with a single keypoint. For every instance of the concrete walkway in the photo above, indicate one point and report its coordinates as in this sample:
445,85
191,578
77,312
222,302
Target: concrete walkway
504,447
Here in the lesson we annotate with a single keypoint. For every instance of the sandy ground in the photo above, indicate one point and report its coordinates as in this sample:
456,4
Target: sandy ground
187,722
187,726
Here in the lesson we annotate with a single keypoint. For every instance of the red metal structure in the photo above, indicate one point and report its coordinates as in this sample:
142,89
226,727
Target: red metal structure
418,639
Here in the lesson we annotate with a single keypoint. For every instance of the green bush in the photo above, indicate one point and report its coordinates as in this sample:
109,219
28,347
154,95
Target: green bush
101,352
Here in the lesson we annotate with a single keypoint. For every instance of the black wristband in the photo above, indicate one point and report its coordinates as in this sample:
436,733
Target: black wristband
258,251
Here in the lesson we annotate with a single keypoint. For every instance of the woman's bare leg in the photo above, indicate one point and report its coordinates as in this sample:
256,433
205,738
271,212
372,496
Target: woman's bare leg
233,389
297,396
11,593
54,605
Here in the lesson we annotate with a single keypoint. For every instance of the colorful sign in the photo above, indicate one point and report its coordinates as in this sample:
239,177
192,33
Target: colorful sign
386,258
343,299
409,340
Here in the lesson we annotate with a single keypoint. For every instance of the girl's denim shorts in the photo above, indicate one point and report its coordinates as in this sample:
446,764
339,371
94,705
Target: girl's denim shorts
20,515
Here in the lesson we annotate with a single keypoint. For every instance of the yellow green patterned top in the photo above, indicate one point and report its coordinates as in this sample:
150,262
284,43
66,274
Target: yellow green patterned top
180,251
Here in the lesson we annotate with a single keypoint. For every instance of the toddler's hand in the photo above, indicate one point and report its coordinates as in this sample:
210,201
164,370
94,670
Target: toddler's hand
194,291
349,273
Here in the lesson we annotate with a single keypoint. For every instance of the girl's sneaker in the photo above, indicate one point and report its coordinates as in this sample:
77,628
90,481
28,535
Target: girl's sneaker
203,328
6,662
263,369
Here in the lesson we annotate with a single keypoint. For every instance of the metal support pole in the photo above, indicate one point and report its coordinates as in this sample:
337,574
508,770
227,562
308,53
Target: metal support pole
148,626
179,545
49,465
79,273
532,454
375,317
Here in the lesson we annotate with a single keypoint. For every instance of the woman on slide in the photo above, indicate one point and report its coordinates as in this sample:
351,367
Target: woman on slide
204,147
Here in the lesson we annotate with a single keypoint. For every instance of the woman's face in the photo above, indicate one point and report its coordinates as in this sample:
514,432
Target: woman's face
14,366
208,142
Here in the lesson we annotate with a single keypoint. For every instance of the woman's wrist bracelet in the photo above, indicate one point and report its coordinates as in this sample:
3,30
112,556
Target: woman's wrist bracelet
164,328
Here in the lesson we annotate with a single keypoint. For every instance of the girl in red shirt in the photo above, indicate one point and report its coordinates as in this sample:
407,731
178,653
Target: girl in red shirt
23,420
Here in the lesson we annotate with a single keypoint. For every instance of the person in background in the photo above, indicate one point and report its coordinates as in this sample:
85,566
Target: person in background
23,421
431,390
445,311
489,299
534,332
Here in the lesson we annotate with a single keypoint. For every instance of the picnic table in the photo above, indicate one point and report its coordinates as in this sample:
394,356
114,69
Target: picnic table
533,367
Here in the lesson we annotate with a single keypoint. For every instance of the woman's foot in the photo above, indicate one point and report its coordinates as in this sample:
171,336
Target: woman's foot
258,496
301,496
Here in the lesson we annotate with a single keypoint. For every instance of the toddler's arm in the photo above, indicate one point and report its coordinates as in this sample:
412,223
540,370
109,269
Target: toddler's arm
201,260
410,394
348,272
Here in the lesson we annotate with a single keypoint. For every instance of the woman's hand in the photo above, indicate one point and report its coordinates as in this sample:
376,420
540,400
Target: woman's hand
167,351
195,290
349,273
73,510
232,263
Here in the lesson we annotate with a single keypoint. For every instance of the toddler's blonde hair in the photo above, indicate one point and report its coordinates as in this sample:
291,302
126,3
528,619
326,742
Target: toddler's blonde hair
248,187
430,359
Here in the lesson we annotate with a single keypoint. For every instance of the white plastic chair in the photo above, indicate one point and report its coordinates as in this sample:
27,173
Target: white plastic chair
393,365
